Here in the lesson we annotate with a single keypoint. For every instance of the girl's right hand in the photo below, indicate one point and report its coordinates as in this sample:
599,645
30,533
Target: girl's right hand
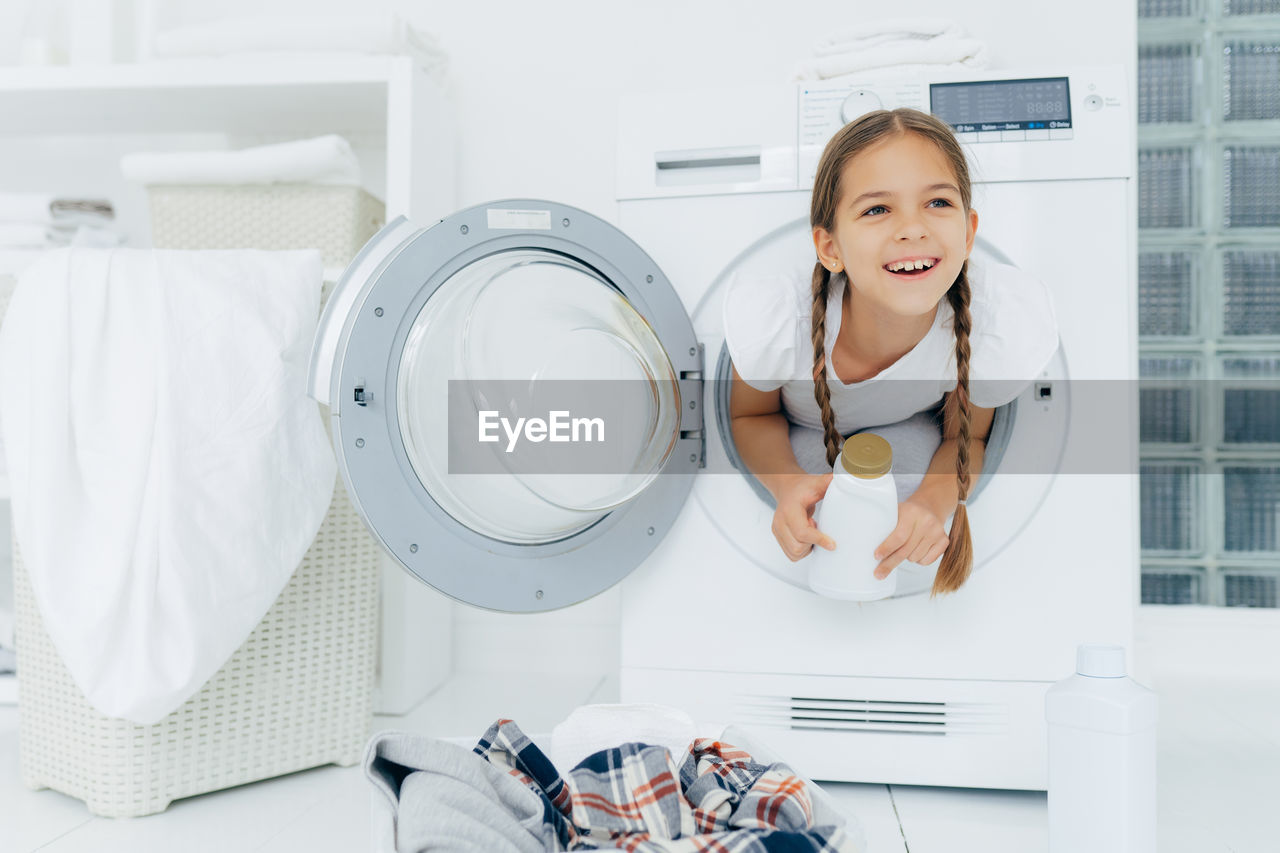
793,524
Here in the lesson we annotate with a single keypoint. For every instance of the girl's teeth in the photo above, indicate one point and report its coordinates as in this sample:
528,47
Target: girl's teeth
903,266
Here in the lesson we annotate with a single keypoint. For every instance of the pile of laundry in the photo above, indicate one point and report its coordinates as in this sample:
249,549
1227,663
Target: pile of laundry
45,221
507,795
901,46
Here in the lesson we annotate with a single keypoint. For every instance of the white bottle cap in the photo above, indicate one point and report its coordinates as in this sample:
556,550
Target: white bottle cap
1098,660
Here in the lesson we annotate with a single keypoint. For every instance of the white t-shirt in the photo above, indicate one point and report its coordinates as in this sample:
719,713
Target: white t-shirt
1013,336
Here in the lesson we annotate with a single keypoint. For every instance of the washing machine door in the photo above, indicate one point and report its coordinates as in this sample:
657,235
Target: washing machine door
515,398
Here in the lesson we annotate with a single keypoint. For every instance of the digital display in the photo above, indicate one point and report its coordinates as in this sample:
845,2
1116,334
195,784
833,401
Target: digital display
1002,104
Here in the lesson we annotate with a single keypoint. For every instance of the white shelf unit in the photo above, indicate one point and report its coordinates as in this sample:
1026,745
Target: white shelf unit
63,129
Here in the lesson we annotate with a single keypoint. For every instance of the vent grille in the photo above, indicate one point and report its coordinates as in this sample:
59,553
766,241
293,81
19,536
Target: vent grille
883,716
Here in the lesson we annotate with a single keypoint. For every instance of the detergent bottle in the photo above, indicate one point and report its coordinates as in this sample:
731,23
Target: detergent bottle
1102,757
859,512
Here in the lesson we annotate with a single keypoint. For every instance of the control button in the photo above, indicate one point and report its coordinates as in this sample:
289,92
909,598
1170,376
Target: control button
1043,133
859,102
966,137
1093,102
1013,135
1060,133
988,136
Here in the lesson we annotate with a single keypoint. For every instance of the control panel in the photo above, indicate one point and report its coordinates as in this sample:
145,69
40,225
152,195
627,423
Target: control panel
1053,120
1023,124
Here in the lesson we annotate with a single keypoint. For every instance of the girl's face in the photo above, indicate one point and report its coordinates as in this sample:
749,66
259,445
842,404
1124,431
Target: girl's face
900,207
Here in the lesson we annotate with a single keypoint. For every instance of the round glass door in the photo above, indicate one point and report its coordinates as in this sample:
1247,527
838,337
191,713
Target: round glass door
519,333
460,363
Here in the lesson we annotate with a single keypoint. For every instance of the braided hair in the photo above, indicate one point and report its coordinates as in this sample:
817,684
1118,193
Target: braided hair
957,560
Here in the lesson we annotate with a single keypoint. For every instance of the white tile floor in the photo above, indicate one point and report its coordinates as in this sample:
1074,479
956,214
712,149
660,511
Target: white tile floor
1219,784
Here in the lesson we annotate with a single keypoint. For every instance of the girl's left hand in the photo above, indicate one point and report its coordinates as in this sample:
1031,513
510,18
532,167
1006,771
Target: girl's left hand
920,537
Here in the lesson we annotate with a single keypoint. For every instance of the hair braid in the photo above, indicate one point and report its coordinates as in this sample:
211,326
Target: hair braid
957,560
821,391
855,137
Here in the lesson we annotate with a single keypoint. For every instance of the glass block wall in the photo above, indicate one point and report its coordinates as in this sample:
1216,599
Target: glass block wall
1209,300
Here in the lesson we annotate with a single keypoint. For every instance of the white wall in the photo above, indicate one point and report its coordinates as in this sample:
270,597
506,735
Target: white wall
536,85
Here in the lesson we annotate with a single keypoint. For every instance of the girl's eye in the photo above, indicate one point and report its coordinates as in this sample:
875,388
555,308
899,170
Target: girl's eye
941,201
874,209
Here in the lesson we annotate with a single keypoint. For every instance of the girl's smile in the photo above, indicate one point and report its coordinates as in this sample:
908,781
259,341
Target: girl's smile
917,267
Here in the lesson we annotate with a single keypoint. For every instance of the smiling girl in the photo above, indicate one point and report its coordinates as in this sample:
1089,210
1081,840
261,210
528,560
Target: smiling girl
893,321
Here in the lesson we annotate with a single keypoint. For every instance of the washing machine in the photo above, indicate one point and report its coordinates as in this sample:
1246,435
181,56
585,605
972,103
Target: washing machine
475,367
913,689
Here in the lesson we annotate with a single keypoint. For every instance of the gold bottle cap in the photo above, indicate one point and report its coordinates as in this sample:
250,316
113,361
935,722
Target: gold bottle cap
866,455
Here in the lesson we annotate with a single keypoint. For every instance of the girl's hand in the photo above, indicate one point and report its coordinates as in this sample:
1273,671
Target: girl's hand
793,523
920,537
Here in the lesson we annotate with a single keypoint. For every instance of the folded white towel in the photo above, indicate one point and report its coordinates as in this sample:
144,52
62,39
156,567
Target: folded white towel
378,34
896,29
26,208
70,220
322,160
901,47
902,56
168,470
591,728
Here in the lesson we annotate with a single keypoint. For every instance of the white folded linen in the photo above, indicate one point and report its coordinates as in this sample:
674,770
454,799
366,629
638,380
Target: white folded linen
897,55
901,47
378,34
895,29
320,160
26,208
72,219
168,470
591,728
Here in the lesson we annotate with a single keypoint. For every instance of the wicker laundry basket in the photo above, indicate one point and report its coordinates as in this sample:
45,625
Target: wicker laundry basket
298,692
336,220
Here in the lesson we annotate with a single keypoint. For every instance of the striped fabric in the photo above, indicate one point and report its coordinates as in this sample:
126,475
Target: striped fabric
635,797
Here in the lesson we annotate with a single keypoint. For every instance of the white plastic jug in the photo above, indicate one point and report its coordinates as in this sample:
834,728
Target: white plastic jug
859,512
1102,758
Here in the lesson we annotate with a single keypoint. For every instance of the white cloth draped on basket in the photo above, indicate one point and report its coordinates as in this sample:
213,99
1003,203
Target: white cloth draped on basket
168,471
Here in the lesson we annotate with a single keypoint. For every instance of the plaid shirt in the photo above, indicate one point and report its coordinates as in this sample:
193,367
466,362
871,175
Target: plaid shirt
634,797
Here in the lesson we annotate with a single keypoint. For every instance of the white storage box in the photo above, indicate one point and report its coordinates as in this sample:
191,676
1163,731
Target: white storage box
299,692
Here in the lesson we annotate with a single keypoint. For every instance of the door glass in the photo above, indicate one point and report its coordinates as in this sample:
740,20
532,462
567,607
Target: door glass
528,333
